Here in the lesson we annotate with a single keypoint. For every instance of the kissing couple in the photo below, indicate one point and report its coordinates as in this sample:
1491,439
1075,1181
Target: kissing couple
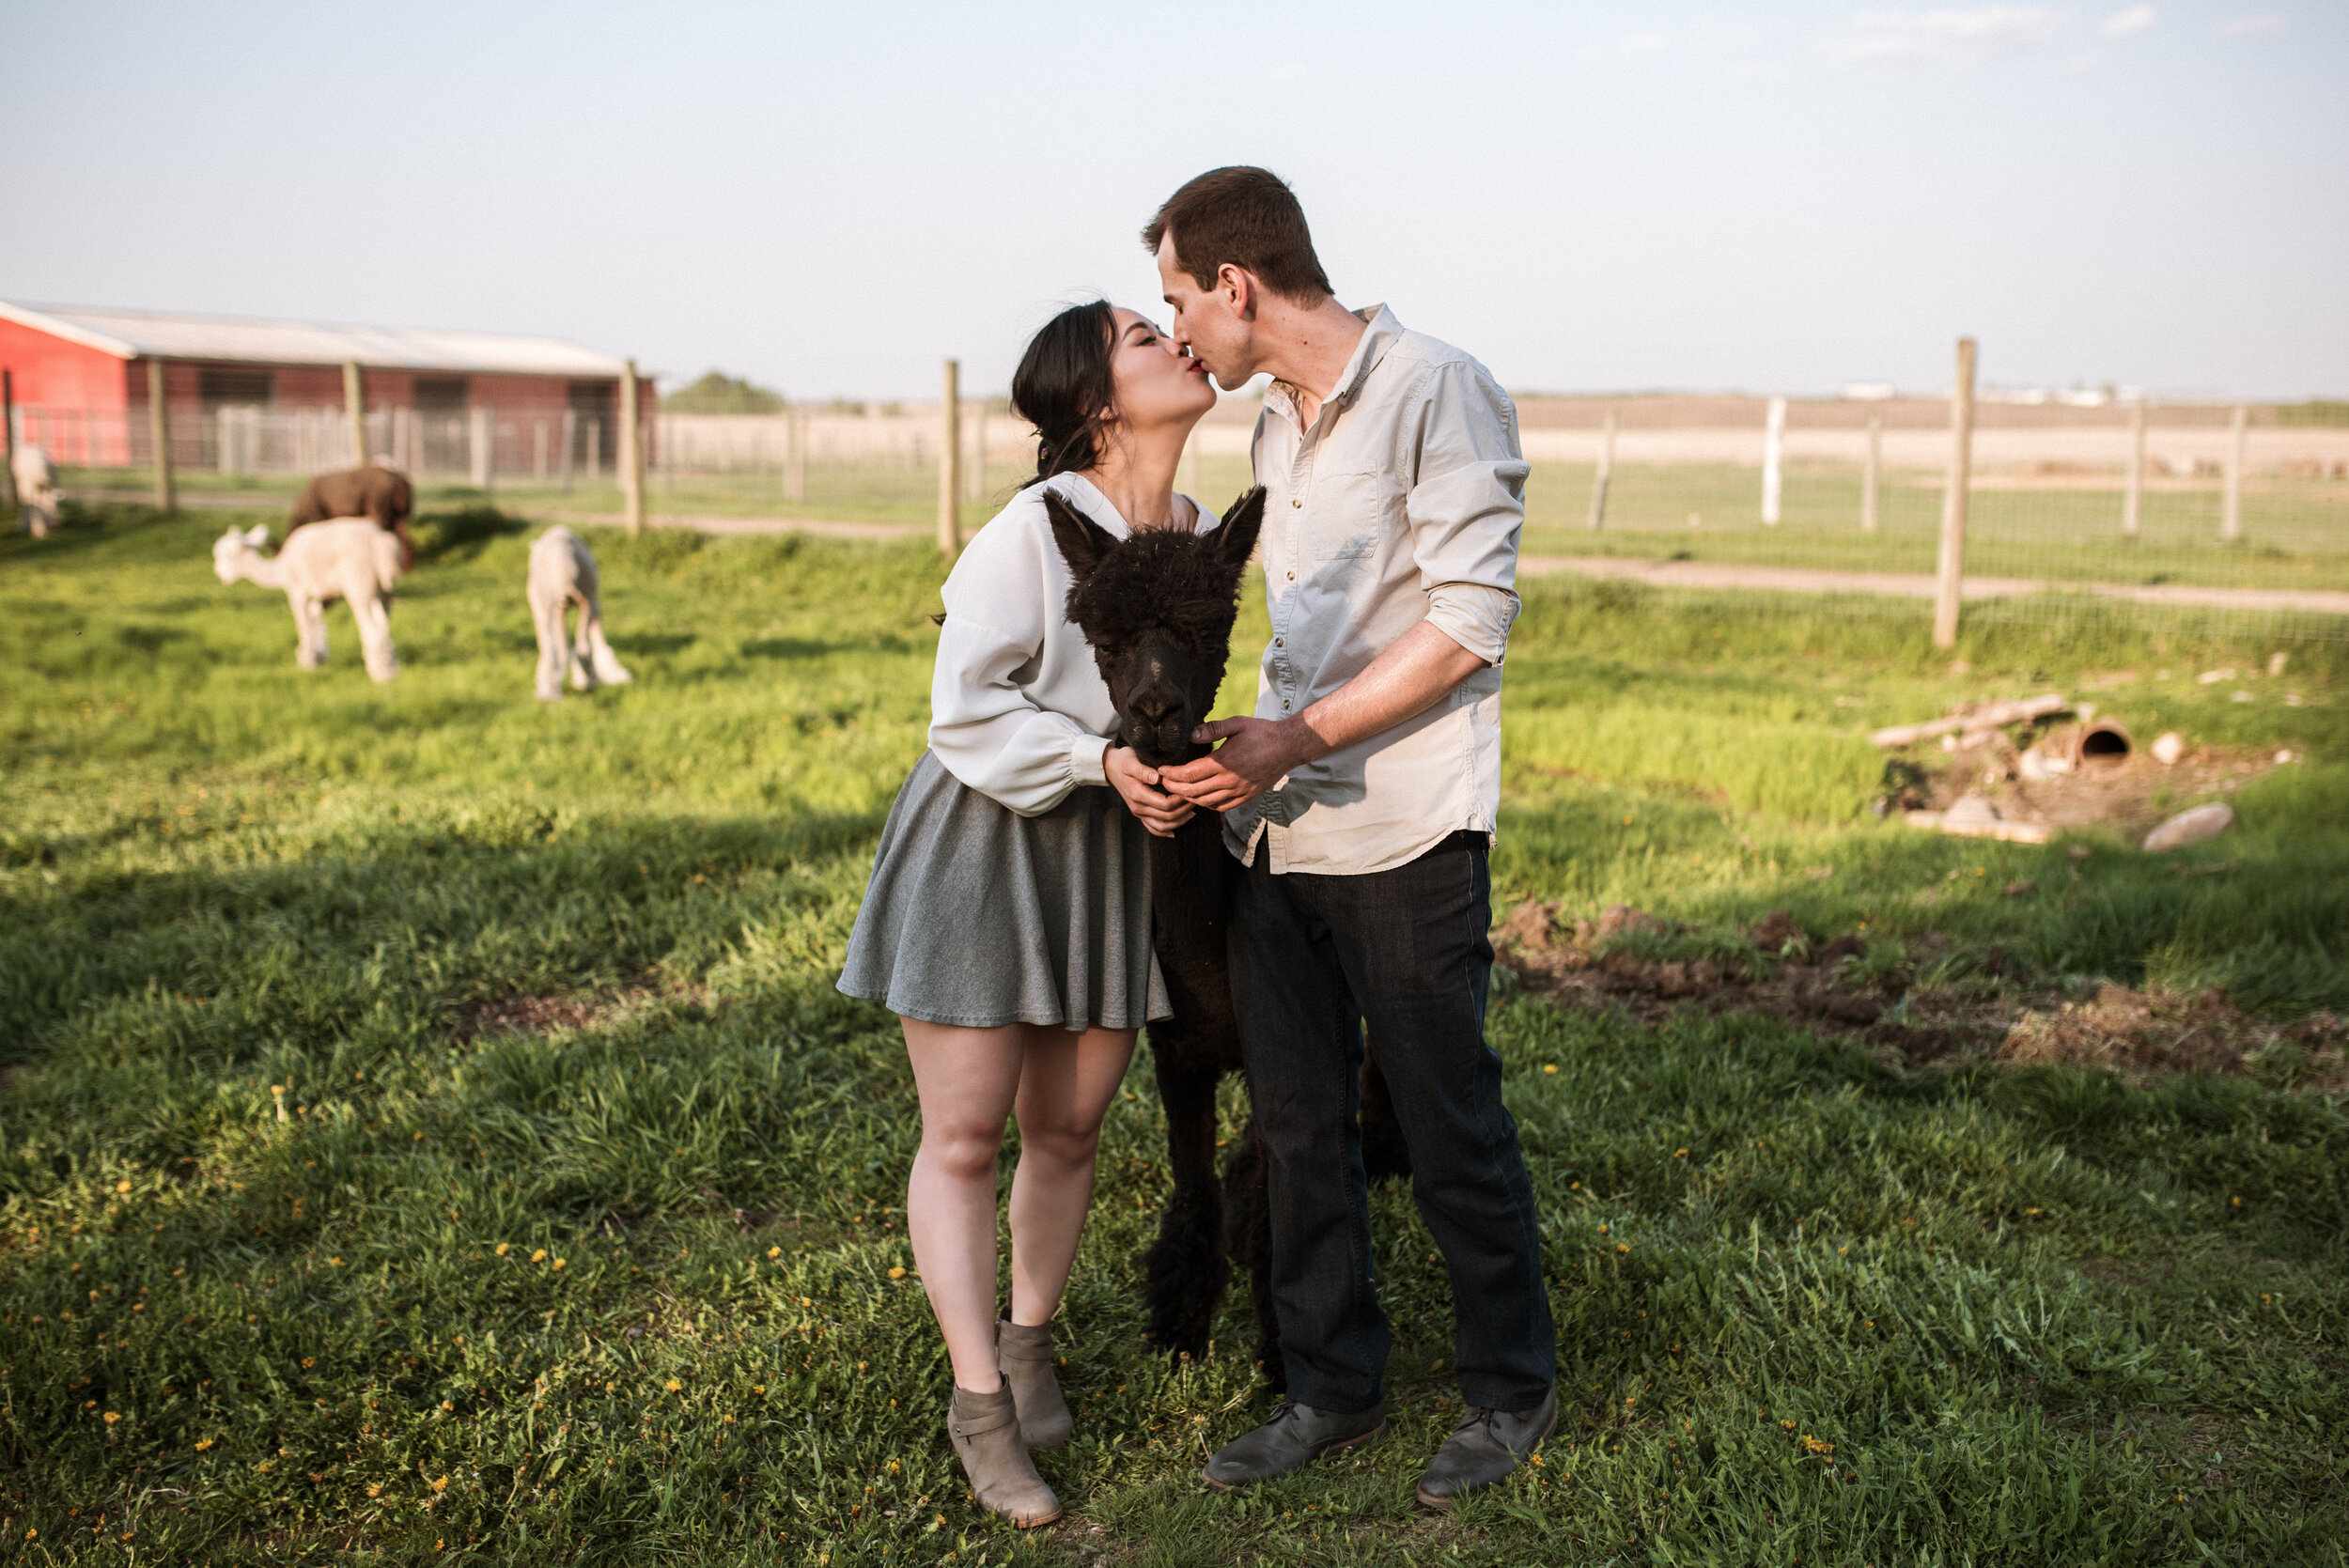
1007,922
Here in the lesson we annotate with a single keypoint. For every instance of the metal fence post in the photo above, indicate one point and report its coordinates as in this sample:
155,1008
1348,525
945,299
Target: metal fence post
1605,474
159,426
1951,584
1773,461
949,465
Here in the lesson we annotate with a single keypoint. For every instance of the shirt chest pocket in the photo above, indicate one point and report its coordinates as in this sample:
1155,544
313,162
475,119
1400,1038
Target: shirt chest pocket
1353,512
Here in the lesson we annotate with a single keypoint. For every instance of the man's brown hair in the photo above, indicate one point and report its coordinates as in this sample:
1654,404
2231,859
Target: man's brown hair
1246,217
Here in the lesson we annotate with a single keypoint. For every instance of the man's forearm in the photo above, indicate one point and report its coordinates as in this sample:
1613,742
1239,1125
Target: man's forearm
1418,671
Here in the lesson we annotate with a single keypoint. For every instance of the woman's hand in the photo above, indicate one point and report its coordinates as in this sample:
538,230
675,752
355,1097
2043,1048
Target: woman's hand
1139,786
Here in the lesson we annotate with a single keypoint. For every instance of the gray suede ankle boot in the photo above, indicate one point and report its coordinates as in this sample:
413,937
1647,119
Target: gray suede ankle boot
986,1433
1025,1355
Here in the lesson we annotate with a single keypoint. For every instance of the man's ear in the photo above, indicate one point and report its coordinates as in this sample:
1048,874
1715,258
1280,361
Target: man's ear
1083,541
1235,540
1238,287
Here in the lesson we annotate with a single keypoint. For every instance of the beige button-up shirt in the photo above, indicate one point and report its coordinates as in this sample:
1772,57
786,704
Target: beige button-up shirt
1401,502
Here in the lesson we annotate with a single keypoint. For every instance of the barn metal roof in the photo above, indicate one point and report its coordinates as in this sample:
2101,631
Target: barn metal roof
141,334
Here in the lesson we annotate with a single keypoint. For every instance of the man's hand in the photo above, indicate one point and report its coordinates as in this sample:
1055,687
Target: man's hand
1137,785
1256,754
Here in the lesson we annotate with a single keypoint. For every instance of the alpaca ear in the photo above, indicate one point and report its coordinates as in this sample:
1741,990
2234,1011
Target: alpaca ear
257,535
1083,541
1235,540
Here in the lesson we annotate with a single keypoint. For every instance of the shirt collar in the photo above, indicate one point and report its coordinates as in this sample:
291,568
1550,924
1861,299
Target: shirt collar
1383,331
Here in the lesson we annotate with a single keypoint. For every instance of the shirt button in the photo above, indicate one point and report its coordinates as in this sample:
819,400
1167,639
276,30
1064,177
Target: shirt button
1291,576
1285,702
1296,502
1277,643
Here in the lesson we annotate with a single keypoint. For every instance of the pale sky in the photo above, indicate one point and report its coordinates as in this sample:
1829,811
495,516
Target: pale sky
1771,198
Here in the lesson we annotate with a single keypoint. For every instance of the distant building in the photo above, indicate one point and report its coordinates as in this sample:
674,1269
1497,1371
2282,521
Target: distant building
253,396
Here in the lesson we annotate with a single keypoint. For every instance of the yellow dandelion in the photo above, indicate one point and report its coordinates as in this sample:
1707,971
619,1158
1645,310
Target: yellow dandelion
759,1388
896,1273
1550,1068
672,1385
203,1443
447,1406
725,1421
538,1257
376,1490
1788,1425
334,1263
1680,1154
110,1416
122,1186
309,1361
774,1252
1623,1246
440,1485
266,1466
504,1247
1537,1459
558,1264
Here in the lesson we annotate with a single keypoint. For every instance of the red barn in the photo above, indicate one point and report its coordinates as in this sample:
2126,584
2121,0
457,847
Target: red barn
256,395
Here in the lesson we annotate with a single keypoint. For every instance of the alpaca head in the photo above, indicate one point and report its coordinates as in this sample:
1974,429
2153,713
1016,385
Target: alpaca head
1157,608
230,551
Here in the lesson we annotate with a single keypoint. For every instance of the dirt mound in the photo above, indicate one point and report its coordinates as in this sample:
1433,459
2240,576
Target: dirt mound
2130,792
532,1015
1632,960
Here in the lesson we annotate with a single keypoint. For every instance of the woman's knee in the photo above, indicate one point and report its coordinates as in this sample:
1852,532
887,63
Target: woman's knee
1061,1139
966,1153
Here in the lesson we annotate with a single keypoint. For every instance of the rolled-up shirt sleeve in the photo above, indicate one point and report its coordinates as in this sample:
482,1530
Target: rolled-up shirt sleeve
1466,508
988,734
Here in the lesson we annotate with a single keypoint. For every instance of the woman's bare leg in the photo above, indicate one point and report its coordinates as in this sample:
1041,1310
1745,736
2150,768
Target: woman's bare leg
1065,1086
967,1079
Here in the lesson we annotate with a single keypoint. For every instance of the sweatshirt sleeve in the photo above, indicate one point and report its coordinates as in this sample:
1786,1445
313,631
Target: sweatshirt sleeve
985,729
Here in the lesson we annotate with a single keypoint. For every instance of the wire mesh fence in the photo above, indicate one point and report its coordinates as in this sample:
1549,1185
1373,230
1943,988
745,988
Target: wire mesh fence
2241,513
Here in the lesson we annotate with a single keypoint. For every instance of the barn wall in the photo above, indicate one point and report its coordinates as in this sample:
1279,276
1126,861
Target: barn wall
55,372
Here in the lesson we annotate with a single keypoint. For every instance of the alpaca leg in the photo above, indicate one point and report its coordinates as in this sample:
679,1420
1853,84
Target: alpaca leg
582,653
1250,1224
554,654
375,637
1184,1270
608,667
309,633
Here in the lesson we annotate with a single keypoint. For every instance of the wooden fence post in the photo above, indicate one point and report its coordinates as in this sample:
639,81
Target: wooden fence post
1191,467
1605,474
631,453
1950,584
7,436
477,442
355,409
1773,461
795,456
2230,521
570,439
2133,494
159,429
1871,473
595,449
949,464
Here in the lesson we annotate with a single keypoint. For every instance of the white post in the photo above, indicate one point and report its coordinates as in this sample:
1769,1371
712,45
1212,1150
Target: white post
1191,466
949,463
1950,586
595,449
570,439
2230,522
1870,474
159,431
2133,494
479,444
631,452
1605,474
795,455
1773,456
539,452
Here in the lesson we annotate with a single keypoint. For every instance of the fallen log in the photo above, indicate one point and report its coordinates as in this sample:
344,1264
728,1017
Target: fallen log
1986,717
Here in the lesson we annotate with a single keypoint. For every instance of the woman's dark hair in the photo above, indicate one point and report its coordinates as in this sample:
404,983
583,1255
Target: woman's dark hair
1065,389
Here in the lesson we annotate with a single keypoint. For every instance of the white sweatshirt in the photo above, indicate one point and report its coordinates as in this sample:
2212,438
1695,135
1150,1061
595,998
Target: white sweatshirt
1019,711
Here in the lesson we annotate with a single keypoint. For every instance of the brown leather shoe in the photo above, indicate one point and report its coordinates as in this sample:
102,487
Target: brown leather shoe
986,1433
1025,1355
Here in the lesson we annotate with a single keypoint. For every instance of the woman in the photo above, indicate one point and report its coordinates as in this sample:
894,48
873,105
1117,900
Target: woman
1007,924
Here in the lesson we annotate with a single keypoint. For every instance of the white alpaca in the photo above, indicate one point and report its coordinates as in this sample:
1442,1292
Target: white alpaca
345,558
562,574
36,479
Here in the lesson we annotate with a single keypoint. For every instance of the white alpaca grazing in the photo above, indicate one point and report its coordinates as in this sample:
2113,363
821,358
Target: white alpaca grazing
36,479
345,558
562,574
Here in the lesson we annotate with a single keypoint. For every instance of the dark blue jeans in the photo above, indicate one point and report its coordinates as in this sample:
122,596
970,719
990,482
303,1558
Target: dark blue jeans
1313,959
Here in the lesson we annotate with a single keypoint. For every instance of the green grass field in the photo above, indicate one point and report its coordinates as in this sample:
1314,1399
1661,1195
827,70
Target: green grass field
578,1241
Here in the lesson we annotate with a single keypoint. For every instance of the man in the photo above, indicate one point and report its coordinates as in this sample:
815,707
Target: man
1361,800
379,492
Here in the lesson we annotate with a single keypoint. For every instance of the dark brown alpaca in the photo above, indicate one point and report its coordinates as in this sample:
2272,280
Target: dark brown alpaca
373,491
1158,609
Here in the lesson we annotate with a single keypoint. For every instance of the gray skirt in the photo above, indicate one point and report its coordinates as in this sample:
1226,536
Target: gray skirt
979,917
